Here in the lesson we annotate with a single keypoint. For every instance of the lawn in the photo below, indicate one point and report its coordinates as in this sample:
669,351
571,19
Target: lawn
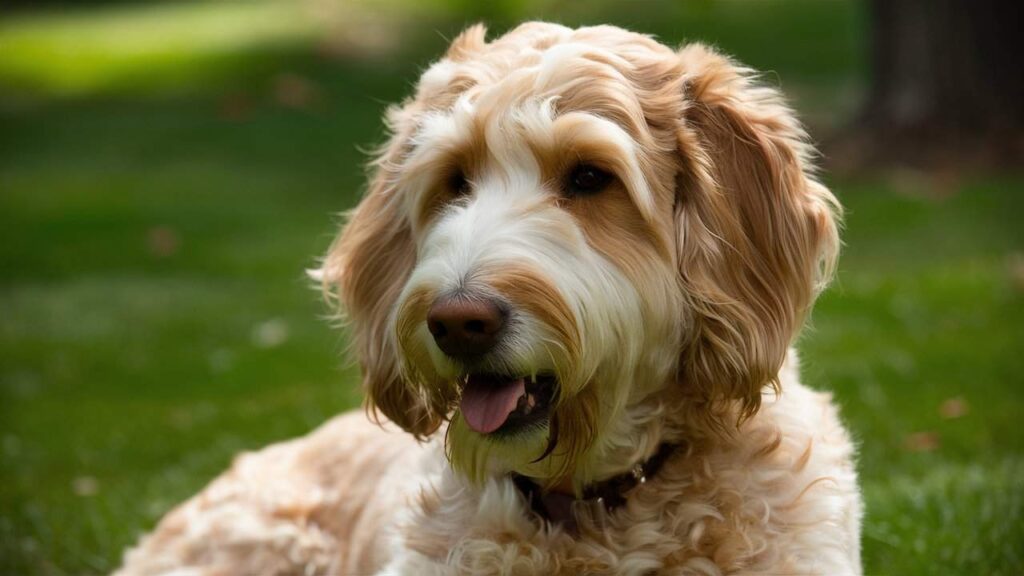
160,198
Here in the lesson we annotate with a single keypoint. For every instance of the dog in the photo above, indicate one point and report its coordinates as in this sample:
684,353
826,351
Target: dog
572,286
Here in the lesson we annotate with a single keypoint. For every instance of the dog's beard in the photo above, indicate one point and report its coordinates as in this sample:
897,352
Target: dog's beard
574,315
585,421
598,378
548,449
596,428
548,444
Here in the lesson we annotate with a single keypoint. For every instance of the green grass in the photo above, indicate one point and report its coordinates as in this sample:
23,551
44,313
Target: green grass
926,309
154,223
158,45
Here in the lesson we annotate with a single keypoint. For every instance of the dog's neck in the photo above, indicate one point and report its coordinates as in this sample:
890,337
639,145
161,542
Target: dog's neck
629,440
557,504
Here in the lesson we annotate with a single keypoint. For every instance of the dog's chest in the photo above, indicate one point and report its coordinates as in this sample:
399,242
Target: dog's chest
496,532
783,499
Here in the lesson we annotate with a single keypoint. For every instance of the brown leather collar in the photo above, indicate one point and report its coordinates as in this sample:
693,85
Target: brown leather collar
557,509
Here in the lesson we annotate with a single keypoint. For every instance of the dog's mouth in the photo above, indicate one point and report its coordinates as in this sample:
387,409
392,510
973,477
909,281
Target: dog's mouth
495,403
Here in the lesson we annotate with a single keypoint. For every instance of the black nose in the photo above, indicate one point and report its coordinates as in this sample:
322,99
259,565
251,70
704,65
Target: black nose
465,327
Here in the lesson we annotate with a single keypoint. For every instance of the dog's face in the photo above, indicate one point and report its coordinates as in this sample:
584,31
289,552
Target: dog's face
576,241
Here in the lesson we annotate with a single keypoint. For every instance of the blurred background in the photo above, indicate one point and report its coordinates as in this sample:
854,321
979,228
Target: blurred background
168,170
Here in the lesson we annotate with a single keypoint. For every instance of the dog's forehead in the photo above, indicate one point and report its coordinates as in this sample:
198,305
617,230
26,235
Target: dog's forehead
522,111
604,71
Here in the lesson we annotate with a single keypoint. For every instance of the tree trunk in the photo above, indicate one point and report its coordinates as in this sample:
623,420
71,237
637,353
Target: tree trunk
947,84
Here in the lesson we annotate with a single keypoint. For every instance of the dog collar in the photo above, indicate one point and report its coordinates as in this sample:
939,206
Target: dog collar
608,494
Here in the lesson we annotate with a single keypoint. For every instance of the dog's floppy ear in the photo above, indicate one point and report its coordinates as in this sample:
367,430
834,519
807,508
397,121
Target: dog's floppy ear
365,270
757,233
369,263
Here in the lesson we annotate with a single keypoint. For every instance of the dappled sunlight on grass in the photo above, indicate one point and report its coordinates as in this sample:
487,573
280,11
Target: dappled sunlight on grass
163,45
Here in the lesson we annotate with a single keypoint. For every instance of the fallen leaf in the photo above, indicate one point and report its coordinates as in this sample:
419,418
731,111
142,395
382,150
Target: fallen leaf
921,442
955,407
236,107
162,241
294,91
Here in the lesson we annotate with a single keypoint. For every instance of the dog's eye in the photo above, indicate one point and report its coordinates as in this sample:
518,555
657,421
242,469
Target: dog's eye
586,179
458,184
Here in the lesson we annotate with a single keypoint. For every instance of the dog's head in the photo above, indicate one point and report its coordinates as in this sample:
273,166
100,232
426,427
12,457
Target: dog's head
576,240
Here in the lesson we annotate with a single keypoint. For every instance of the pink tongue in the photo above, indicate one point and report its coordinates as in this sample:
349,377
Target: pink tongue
487,402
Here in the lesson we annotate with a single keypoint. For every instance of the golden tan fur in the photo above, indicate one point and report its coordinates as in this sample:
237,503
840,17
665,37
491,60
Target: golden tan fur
665,305
304,506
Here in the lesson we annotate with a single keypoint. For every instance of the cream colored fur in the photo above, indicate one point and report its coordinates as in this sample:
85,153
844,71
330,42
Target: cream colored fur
665,305
352,498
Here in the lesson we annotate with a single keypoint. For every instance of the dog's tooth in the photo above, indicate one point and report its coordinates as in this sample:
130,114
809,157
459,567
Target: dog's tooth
528,404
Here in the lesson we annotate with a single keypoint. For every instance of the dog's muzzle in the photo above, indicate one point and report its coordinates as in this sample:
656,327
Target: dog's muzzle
467,328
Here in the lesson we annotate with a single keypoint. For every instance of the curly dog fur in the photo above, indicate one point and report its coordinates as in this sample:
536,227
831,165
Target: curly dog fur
641,229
